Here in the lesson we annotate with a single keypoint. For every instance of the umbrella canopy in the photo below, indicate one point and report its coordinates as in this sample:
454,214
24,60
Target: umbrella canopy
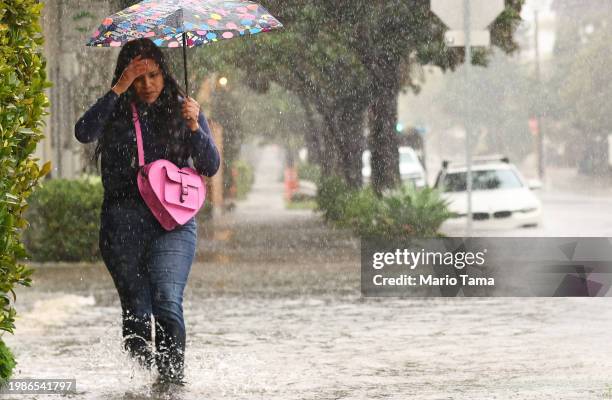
183,23
165,21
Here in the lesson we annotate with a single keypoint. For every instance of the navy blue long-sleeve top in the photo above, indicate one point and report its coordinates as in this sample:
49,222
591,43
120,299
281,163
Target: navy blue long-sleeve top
119,155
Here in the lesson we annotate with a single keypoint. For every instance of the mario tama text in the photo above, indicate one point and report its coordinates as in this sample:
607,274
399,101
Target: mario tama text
431,280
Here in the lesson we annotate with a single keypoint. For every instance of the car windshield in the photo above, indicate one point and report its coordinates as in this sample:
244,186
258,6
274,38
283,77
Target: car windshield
481,180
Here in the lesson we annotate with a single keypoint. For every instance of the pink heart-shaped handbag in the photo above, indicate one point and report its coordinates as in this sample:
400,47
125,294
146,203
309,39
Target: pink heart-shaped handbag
173,194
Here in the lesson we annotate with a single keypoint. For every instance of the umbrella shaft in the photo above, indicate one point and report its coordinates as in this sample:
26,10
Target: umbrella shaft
185,63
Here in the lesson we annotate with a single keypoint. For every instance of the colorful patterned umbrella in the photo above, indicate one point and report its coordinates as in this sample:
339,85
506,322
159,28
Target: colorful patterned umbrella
184,23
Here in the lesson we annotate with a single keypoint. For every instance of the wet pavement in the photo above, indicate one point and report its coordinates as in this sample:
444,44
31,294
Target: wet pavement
273,311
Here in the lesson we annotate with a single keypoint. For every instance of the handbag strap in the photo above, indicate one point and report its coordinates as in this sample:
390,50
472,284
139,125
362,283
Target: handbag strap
138,135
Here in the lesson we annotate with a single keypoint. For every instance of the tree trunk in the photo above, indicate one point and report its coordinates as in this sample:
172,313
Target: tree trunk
383,136
349,138
343,123
344,142
313,138
594,160
329,154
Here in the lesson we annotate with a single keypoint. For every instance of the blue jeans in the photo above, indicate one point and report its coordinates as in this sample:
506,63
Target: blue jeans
149,267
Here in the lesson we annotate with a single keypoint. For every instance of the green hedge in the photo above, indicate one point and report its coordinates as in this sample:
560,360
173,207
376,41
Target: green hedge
64,218
244,179
402,213
22,106
333,195
309,172
7,362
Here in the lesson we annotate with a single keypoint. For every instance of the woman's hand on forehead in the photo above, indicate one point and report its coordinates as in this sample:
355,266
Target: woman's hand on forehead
137,67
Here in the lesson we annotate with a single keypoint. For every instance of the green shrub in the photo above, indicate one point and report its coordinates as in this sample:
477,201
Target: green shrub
22,106
206,211
333,195
7,363
401,213
408,212
244,179
364,213
308,172
64,220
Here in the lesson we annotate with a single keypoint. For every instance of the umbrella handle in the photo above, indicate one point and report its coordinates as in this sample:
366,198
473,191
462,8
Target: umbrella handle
185,63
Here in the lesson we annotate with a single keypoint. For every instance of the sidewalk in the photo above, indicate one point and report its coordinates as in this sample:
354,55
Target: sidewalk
265,202
568,181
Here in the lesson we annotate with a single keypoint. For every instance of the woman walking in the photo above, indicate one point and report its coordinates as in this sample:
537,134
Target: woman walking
148,264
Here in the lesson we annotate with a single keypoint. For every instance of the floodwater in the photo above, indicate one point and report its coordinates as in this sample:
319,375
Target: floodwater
273,311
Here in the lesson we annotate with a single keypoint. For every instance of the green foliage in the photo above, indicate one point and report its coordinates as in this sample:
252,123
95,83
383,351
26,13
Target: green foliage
333,195
64,220
401,213
408,212
205,213
576,96
244,178
301,203
363,212
22,106
508,84
7,362
309,172
342,57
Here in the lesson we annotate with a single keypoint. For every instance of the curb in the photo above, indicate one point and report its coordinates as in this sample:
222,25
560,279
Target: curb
63,264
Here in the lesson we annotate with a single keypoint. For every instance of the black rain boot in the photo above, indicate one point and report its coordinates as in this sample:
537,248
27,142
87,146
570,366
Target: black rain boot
137,339
170,354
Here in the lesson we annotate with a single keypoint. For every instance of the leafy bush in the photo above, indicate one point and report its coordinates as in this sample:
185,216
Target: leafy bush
333,195
308,172
244,178
363,213
22,106
404,212
7,363
64,220
409,212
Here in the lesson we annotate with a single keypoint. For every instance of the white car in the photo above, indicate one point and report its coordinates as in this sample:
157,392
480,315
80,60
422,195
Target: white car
501,198
411,169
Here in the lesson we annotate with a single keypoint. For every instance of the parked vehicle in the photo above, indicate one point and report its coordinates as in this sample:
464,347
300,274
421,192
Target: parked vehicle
411,169
501,197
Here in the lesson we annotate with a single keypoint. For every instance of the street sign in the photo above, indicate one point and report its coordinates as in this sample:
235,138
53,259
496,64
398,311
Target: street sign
482,12
455,38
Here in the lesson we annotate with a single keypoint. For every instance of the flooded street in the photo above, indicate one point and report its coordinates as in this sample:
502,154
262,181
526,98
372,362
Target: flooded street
273,311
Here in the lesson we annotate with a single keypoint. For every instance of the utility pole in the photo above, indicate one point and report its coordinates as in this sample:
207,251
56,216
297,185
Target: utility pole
477,14
540,136
468,122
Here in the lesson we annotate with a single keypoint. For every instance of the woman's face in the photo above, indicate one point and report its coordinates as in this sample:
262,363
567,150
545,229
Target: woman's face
149,85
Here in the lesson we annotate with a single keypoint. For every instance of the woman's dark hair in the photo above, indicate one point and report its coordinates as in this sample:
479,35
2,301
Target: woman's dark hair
166,116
